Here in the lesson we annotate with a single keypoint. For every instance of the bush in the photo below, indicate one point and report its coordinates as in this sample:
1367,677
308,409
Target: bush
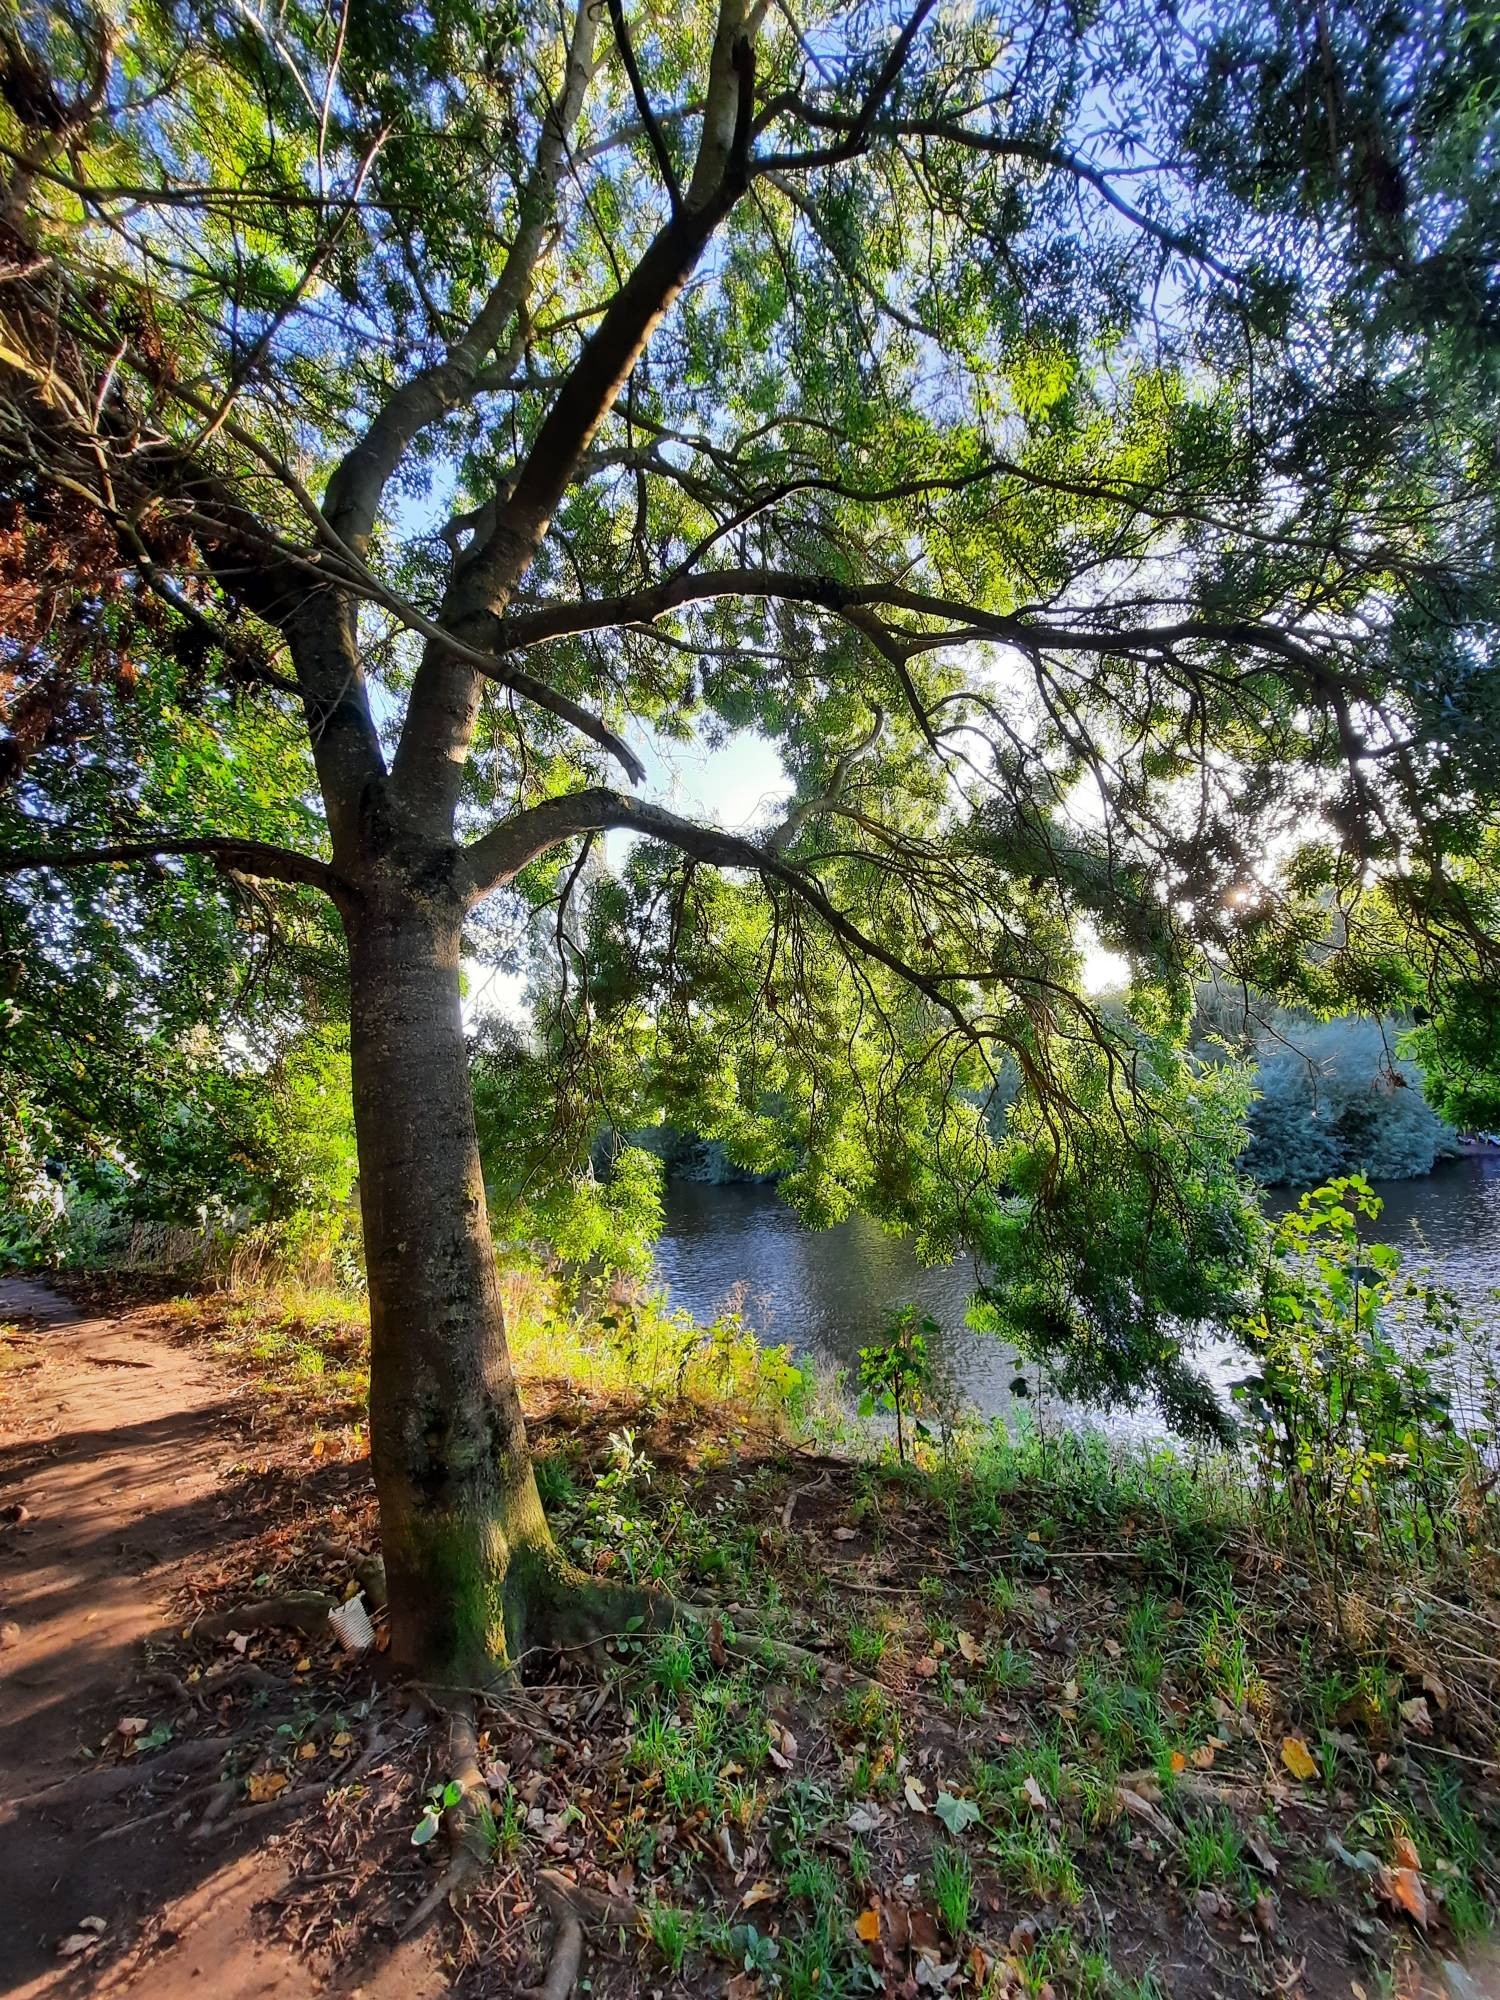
1333,1099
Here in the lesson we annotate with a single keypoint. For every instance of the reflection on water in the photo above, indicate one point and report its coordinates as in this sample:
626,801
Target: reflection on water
827,1294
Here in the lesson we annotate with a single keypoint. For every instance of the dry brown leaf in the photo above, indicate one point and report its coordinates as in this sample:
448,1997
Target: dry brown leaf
1403,1887
1036,1798
129,1726
867,1926
1179,1763
1298,1759
759,1892
915,1798
968,1645
264,1785
1417,1715
1202,1757
1404,1853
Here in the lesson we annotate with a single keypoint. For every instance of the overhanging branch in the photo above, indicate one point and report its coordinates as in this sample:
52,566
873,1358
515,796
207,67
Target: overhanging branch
499,855
245,857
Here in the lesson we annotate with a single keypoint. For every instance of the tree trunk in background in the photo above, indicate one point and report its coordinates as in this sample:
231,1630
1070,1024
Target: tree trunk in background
468,1553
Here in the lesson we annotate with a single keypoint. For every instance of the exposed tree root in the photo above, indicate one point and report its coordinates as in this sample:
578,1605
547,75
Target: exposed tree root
567,1958
462,1825
296,1611
573,1910
800,1492
114,1780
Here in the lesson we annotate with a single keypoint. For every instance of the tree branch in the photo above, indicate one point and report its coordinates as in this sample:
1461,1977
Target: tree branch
656,138
355,490
500,854
245,857
996,145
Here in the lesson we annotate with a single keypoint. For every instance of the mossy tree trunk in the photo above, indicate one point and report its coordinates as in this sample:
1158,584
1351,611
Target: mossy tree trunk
468,1554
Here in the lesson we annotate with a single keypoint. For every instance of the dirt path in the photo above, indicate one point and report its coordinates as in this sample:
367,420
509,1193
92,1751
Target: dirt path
115,1443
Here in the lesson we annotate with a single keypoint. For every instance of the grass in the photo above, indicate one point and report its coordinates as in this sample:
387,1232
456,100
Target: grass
1211,1850
953,1890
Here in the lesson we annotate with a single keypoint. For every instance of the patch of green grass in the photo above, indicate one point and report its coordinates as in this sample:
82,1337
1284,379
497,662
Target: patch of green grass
1211,1850
670,1933
1032,1857
953,1889
866,1645
1314,1876
1009,1669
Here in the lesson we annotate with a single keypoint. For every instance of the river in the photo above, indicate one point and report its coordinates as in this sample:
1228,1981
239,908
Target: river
828,1293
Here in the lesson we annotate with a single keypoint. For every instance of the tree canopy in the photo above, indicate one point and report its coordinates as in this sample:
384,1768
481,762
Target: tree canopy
1068,436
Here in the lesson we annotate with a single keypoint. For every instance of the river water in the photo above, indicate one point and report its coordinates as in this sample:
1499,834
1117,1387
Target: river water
826,1294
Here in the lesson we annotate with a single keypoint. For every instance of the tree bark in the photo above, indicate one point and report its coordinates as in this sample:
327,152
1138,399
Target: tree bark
468,1554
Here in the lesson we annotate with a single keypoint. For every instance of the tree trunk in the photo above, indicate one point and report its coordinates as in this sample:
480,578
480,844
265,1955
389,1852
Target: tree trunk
469,1558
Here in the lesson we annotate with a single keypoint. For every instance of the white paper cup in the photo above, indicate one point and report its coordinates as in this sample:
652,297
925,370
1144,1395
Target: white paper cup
351,1625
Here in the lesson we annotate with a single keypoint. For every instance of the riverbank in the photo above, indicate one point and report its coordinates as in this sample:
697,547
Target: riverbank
1041,1717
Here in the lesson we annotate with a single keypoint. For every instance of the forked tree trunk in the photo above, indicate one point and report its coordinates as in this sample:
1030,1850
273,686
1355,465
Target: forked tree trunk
469,1558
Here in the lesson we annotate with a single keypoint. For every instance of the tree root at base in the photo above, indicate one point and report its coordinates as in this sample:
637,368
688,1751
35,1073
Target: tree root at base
461,1822
574,1909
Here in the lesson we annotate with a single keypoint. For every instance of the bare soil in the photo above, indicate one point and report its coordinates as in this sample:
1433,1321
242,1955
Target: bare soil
128,1456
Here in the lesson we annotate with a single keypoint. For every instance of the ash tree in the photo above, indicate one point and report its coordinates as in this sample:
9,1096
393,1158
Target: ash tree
1065,435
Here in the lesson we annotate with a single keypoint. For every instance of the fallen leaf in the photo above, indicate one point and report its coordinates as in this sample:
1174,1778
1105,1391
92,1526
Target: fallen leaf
955,1813
926,1667
341,1742
759,1892
1201,1758
1403,1887
969,1647
717,1651
264,1785
95,1924
1112,1648
1417,1715
1179,1763
931,1974
79,1941
843,1534
916,1795
1298,1759
1142,1808
307,1751
742,1986
132,1725
1404,1853
863,1819
1262,1853
867,1926
1036,1798
303,1666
